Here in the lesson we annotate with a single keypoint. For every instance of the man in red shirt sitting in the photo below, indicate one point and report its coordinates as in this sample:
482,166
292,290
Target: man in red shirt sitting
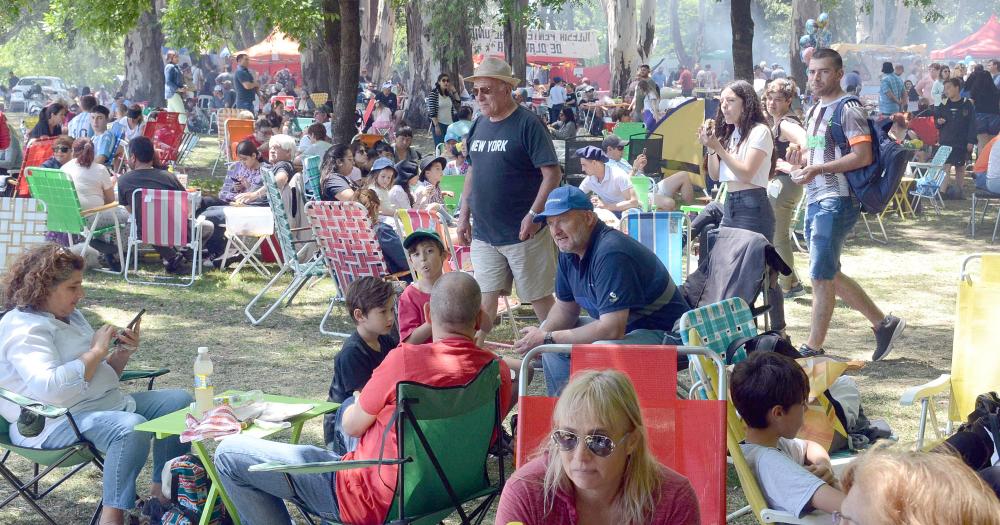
364,495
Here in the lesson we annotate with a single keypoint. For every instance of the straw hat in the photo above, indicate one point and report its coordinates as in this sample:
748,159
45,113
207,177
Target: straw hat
495,68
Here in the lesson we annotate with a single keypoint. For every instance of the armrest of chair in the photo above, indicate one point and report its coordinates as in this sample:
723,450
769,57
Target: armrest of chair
918,393
397,275
37,407
777,516
923,165
323,467
132,375
99,209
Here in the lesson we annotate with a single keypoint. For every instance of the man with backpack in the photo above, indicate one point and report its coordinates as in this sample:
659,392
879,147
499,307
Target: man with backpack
832,207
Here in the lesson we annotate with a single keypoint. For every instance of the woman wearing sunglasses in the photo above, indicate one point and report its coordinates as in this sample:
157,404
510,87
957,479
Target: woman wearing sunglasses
62,152
596,466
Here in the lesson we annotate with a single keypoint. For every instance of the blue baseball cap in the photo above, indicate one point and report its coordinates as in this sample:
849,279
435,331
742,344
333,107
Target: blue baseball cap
382,163
562,200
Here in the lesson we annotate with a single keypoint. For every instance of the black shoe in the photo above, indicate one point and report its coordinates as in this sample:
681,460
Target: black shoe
805,351
886,334
175,264
111,262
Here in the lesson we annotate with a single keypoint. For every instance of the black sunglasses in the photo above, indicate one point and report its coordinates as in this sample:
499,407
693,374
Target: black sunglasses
61,149
599,445
484,90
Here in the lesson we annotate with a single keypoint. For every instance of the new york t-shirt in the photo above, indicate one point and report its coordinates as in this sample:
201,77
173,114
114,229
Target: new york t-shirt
506,159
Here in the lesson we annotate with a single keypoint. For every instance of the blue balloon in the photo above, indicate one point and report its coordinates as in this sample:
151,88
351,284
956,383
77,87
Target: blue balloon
810,26
824,18
805,40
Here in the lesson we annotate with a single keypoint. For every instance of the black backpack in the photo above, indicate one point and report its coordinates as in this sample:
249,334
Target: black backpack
875,184
771,341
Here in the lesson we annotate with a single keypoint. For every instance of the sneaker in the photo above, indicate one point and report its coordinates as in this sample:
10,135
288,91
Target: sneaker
795,291
886,334
805,351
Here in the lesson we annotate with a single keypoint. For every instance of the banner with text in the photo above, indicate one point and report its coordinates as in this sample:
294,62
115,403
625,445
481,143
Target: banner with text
541,42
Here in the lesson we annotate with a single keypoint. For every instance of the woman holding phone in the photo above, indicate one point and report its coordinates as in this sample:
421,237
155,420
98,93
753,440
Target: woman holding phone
50,353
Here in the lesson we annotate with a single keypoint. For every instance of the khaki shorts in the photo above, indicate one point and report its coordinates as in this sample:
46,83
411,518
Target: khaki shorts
176,104
528,265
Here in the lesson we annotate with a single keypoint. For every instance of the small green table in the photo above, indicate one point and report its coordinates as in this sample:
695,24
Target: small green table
174,423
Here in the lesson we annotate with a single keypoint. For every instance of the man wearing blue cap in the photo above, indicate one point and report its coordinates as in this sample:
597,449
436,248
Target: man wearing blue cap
625,289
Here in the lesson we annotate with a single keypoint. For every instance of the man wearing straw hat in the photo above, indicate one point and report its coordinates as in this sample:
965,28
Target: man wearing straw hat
514,167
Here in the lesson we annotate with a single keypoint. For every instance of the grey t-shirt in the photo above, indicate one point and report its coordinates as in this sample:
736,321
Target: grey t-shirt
786,484
506,159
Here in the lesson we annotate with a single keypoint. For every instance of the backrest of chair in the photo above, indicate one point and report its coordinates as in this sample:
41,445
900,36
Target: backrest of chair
411,220
651,145
311,174
237,129
24,226
166,132
287,100
369,139
643,185
719,324
37,153
941,155
685,435
57,191
303,123
662,232
282,227
346,239
319,98
165,216
454,184
441,413
625,130
974,360
367,113
222,116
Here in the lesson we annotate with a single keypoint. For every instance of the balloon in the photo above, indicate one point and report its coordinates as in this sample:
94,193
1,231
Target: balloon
807,54
968,59
810,26
804,41
823,20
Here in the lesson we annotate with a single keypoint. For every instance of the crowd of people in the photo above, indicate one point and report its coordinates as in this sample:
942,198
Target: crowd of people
587,282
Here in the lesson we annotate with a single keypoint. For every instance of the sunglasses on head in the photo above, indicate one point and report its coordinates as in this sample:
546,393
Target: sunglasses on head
599,445
61,149
484,90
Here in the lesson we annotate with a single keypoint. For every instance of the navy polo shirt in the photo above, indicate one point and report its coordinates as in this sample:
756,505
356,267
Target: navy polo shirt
618,273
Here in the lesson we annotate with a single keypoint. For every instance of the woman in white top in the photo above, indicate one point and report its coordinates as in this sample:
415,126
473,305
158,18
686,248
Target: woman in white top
740,153
937,89
50,353
95,188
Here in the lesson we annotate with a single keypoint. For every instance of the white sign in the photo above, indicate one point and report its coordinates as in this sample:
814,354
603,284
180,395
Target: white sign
541,42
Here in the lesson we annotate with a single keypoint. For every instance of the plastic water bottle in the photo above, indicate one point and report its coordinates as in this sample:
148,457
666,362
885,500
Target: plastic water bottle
240,398
203,389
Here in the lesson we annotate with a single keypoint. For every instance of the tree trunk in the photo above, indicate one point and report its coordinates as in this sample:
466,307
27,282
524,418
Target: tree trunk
331,34
418,77
515,39
622,37
675,34
879,13
316,64
647,30
457,59
378,55
143,63
742,24
802,10
900,25
344,123
863,29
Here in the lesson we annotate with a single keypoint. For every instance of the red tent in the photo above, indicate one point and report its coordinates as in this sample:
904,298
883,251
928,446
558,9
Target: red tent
982,44
275,53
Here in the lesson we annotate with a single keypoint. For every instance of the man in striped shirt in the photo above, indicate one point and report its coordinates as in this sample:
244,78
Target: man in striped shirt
832,211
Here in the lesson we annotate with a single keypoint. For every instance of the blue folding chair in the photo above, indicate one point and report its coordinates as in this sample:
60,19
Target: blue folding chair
663,233
929,177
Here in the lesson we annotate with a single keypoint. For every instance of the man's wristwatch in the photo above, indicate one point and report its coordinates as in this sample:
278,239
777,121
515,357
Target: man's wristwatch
548,340
532,213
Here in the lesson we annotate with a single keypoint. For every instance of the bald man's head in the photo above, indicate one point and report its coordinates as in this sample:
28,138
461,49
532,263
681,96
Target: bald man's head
455,301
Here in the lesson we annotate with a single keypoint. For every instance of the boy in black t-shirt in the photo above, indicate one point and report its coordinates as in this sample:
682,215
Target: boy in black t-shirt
370,302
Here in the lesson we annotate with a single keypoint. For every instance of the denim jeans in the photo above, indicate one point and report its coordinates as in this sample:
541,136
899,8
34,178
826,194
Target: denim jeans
556,366
987,184
333,430
125,450
259,496
749,210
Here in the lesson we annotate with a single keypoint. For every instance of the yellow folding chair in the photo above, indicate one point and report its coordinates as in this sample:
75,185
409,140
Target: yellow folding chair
974,356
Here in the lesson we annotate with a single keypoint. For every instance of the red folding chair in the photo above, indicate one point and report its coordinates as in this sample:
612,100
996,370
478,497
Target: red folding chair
167,134
286,100
35,155
925,129
347,242
689,436
367,115
166,218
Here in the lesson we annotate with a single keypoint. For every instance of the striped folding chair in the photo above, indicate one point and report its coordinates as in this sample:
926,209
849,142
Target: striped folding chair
310,174
24,223
663,233
347,243
164,218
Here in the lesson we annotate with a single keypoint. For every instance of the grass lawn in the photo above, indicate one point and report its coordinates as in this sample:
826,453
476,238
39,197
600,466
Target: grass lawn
913,276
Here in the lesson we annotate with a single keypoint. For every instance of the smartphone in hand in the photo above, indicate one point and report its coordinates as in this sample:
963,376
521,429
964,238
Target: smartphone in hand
130,326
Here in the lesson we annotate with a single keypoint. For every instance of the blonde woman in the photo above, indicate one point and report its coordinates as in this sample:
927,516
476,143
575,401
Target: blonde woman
903,487
597,466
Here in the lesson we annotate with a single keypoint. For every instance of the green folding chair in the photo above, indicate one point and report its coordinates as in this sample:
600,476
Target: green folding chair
437,473
454,184
311,174
643,189
57,191
301,124
626,130
75,457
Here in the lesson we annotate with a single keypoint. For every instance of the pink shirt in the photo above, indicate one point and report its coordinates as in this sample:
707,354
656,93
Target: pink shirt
523,500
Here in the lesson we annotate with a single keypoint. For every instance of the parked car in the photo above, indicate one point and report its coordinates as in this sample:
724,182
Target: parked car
20,95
